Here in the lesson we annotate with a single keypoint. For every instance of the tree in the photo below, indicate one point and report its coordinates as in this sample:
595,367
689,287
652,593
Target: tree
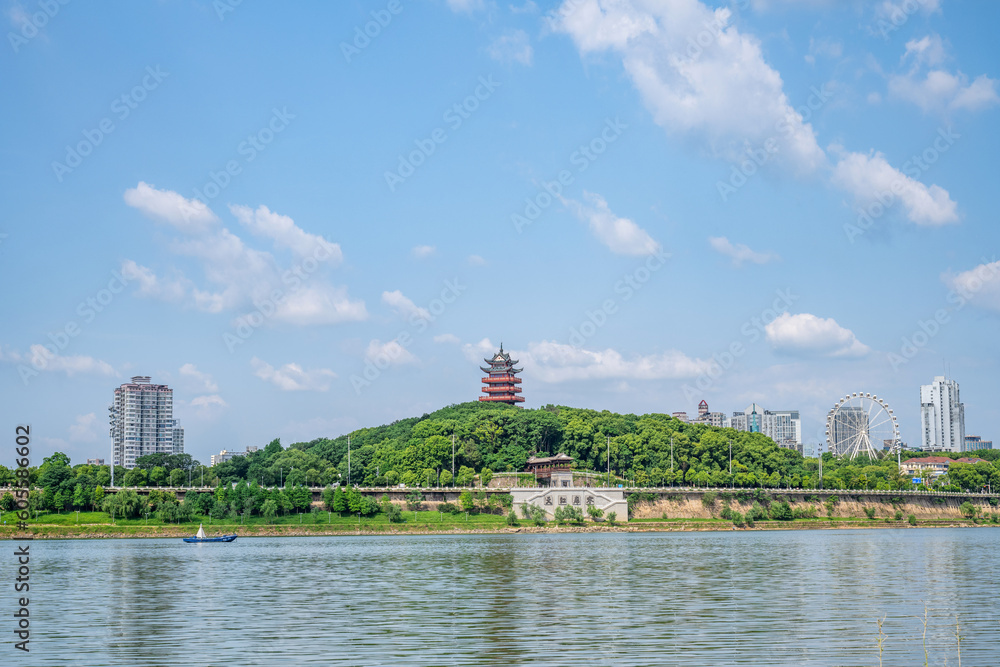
98,497
328,494
465,476
414,500
968,509
158,475
339,500
80,496
485,476
269,509
781,511
467,502
595,512
446,478
177,477
7,502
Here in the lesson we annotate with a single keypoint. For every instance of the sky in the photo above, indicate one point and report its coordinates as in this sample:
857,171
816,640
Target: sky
312,218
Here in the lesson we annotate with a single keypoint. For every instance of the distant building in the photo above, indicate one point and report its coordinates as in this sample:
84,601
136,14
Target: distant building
142,421
933,465
95,462
225,454
178,438
710,418
782,426
942,417
974,442
501,379
847,423
682,416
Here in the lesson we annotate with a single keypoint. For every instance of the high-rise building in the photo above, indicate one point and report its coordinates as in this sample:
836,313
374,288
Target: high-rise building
942,417
702,409
142,421
974,443
501,379
782,426
178,437
847,423
711,418
226,455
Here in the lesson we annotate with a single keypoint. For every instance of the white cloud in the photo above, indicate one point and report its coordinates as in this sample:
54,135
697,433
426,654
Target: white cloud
512,47
808,334
390,353
240,278
475,260
286,234
40,358
84,429
740,253
870,178
447,338
693,69
423,251
620,235
554,362
529,7
203,381
551,361
936,90
465,6
206,404
979,285
187,215
292,377
403,306
898,11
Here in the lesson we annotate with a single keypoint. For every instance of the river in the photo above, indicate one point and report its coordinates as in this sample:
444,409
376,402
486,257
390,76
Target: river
706,598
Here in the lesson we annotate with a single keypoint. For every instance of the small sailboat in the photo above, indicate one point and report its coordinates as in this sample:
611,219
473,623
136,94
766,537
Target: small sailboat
201,537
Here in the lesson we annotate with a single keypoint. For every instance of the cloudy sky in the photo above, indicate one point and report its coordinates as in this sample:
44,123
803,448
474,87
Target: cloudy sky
314,218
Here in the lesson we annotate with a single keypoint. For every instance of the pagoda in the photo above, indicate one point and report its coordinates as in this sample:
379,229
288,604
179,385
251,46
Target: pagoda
501,379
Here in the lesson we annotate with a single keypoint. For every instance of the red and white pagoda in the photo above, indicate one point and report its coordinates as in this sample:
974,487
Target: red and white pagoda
501,379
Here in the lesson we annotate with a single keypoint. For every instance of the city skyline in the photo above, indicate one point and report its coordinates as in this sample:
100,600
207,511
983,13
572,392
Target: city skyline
649,203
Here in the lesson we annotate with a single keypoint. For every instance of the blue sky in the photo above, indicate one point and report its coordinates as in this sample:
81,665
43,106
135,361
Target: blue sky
305,229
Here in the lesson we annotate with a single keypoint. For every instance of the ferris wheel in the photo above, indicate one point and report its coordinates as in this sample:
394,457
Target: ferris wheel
861,424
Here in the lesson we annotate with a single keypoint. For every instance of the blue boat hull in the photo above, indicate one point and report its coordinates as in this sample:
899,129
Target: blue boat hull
224,538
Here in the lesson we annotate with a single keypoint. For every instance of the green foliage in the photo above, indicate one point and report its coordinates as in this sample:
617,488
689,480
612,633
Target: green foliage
568,514
595,512
451,508
912,519
870,512
414,500
465,476
393,513
7,502
781,511
967,509
269,509
708,499
830,503
533,513
485,477
612,517
899,515
511,518
446,478
467,502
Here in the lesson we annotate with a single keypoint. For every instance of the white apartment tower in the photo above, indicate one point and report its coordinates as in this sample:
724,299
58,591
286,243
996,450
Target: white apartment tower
942,417
142,421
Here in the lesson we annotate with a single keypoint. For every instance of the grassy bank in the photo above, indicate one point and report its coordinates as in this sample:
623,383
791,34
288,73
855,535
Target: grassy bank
99,525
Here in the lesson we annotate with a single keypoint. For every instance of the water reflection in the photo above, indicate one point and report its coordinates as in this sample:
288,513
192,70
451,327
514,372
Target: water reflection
746,598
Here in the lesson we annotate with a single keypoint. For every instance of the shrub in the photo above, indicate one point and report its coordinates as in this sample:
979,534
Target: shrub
870,512
511,518
899,515
595,512
994,518
830,503
414,500
781,511
394,514
912,519
612,516
533,513
451,508
736,518
750,521
708,499
727,512
804,513
568,514
756,513
994,502
968,509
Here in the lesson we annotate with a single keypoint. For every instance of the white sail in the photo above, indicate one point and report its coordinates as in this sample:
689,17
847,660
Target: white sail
201,532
